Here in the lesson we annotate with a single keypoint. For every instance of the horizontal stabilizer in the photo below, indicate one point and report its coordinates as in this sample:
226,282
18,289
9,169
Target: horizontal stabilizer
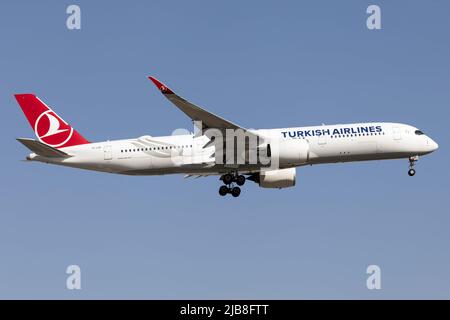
42,149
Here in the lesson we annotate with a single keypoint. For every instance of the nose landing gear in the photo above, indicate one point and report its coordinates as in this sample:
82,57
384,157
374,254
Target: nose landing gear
228,180
412,162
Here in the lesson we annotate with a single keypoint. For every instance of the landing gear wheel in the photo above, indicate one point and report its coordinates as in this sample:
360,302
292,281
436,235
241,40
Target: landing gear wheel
235,192
223,190
227,178
412,162
240,180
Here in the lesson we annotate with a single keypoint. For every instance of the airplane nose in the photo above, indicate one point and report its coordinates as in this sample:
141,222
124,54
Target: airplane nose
433,145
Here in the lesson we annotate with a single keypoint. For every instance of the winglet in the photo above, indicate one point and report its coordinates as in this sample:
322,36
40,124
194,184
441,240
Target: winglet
161,86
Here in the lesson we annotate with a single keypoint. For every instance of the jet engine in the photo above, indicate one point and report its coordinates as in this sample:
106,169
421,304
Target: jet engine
288,152
281,178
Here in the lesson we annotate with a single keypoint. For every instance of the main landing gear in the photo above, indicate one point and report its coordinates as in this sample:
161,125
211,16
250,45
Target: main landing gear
412,162
229,180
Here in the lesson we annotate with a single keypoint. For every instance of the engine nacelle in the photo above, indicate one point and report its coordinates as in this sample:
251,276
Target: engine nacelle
290,152
282,178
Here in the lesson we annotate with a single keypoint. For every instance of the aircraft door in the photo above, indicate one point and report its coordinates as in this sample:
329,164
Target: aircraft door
107,153
396,133
322,140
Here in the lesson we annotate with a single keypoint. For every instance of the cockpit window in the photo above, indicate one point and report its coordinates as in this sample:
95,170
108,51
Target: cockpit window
418,132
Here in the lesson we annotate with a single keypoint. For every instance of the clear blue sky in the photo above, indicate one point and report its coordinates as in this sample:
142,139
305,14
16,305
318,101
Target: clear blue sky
261,64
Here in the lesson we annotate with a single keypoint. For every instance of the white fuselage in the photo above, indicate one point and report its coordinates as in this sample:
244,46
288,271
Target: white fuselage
186,154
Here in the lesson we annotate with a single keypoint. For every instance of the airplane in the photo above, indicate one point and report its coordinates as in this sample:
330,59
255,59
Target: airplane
277,151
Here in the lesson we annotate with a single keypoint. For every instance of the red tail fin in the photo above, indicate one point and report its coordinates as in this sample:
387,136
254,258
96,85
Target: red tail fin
47,125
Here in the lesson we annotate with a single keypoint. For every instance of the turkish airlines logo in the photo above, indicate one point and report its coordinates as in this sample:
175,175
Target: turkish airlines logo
52,130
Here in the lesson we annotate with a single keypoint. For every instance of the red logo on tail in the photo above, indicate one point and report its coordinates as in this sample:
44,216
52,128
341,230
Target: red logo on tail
47,125
52,130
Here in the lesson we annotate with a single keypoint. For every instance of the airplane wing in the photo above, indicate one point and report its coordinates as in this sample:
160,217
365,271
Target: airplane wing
196,113
42,149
